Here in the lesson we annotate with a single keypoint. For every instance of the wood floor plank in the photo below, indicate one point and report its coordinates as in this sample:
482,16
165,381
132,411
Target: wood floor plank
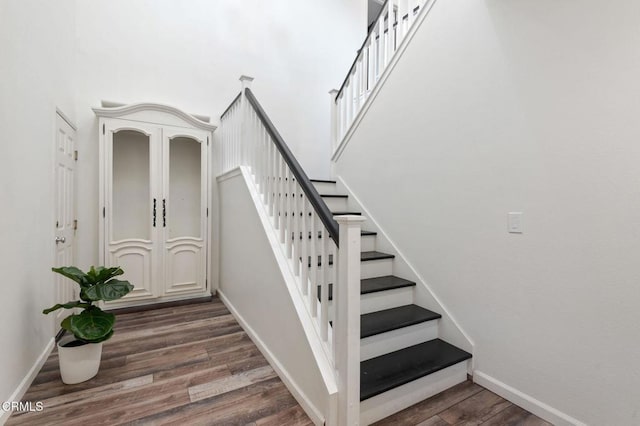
428,408
151,363
139,401
238,407
475,409
294,416
433,421
231,383
99,392
156,330
515,416
158,356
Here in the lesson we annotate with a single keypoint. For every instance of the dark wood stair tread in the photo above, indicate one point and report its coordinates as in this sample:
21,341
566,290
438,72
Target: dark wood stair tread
363,233
393,319
387,282
345,213
374,255
374,285
334,195
383,373
322,181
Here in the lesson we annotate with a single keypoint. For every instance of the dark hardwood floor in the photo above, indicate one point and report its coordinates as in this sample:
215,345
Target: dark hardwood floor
194,364
465,404
189,364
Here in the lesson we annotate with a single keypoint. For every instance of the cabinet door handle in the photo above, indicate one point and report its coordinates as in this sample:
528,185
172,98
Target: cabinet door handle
154,212
164,212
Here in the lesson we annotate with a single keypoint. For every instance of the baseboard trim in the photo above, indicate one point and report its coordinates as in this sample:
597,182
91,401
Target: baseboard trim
159,305
312,411
525,401
28,379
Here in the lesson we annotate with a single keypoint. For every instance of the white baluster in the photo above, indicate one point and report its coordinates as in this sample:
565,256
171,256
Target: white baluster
381,45
271,155
296,228
350,94
264,141
357,82
334,116
332,256
390,32
313,271
290,207
343,113
277,189
304,242
347,319
267,154
282,200
324,287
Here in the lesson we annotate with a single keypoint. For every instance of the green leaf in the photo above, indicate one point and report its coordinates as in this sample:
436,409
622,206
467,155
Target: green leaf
100,274
66,323
92,325
73,273
111,290
68,305
102,339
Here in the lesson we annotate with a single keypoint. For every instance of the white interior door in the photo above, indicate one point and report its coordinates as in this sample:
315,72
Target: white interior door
184,210
65,208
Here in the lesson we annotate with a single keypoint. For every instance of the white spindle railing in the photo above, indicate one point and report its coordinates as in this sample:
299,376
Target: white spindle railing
385,36
320,252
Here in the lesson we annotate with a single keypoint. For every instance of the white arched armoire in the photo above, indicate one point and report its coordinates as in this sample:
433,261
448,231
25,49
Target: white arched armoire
155,200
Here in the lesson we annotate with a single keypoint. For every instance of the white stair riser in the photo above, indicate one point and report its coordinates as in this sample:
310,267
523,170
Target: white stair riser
373,302
378,301
325,187
368,243
336,204
397,399
384,343
376,268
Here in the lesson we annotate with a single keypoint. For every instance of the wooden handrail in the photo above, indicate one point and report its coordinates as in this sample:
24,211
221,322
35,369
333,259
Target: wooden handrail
230,105
310,191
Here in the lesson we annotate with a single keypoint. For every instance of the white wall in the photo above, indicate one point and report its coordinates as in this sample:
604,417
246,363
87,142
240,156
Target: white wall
36,76
502,106
190,54
253,285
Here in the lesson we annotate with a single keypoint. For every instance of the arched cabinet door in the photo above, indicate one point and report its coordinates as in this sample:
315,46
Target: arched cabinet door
185,210
131,233
155,200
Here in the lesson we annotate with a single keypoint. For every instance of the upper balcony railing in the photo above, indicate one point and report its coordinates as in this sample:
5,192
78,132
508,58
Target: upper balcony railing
386,34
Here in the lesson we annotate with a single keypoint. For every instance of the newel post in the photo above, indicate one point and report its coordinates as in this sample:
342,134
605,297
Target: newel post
347,318
245,82
333,131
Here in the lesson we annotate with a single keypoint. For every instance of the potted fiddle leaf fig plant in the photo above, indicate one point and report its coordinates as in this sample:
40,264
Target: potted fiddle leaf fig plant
79,354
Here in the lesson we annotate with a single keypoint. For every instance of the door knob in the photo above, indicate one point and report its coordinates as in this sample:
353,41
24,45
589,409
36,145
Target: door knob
60,240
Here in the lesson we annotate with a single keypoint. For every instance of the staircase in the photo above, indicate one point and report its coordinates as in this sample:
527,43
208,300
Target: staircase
402,360
376,349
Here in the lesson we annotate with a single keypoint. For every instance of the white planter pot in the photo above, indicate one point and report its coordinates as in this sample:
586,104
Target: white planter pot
78,363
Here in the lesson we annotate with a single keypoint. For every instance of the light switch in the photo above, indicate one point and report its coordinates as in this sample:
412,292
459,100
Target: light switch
515,222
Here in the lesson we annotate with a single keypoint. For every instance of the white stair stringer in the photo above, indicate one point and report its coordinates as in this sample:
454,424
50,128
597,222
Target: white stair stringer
401,397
